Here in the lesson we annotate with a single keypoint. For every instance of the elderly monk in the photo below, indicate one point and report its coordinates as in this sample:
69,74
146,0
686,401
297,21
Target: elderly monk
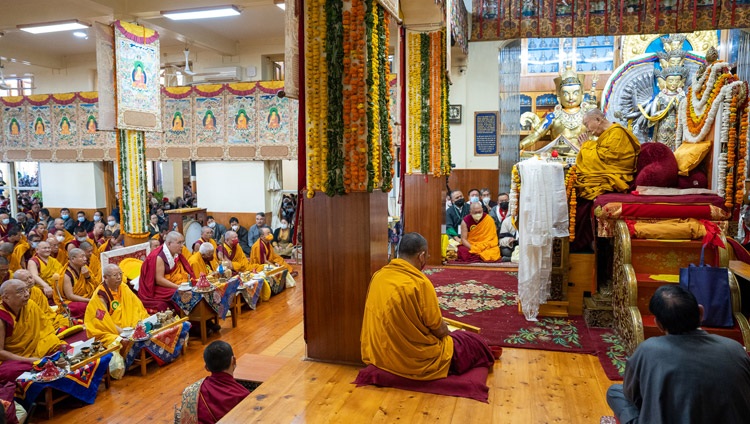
81,235
44,268
478,237
403,331
112,307
97,235
230,251
21,248
263,253
207,234
25,335
604,165
204,260
162,272
36,295
93,261
76,285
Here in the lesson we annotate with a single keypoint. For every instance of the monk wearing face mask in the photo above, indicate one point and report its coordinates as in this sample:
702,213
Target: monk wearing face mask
478,237
263,253
231,252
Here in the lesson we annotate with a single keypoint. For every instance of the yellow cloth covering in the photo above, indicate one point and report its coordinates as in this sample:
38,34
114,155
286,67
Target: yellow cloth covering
669,278
102,320
199,265
81,287
483,239
16,258
49,271
58,321
213,243
257,261
670,229
401,309
32,336
607,164
239,261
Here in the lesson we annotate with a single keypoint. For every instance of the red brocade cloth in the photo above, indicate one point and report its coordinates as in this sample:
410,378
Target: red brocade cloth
613,206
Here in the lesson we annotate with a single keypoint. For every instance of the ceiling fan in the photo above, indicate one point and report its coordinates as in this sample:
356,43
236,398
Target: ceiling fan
185,69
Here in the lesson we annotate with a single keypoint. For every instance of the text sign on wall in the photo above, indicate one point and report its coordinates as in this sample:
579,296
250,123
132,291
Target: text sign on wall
485,133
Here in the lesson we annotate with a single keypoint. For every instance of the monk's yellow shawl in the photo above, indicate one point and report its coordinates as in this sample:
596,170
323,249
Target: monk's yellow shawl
199,265
58,321
483,239
239,261
212,241
48,271
179,274
15,259
32,335
102,320
95,268
81,286
401,309
257,261
607,164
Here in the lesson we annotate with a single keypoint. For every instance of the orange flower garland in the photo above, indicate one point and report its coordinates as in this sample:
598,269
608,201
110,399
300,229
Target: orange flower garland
316,97
570,190
355,160
742,154
414,101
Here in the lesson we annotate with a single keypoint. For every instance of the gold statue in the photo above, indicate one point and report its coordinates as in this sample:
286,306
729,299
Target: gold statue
567,118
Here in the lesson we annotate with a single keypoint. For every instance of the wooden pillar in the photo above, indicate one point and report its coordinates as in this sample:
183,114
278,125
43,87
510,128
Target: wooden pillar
424,211
345,242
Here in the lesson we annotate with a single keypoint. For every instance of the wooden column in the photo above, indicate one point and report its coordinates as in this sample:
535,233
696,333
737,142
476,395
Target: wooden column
345,242
424,211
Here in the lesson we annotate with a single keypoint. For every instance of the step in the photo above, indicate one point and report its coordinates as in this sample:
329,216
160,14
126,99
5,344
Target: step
667,256
598,314
590,303
646,288
553,308
651,330
601,300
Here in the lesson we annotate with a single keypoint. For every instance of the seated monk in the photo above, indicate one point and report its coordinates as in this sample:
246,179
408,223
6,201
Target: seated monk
4,225
36,295
61,236
44,268
604,165
403,331
230,251
6,250
81,235
209,399
41,230
262,252
478,237
204,260
93,262
21,247
111,241
97,234
25,335
206,237
162,272
75,288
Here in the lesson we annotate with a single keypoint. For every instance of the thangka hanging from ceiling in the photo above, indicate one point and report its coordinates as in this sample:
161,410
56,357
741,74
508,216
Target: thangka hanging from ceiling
460,25
510,19
238,121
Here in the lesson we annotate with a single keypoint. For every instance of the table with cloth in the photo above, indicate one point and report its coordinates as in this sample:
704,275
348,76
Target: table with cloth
273,282
216,303
164,345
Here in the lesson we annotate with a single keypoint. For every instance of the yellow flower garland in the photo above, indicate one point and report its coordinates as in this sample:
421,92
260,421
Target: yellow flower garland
570,190
414,101
375,96
316,97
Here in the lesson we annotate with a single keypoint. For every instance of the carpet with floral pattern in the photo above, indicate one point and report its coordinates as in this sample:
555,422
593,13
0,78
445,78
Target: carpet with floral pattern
611,352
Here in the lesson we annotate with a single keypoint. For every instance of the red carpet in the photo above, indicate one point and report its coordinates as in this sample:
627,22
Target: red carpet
487,299
610,351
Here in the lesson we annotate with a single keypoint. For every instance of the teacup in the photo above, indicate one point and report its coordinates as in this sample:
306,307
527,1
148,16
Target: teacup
85,351
96,346
127,332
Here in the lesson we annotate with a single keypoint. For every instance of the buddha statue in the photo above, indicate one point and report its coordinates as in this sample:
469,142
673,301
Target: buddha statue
567,118
662,113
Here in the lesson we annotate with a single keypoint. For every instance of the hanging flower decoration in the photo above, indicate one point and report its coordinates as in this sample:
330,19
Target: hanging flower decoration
515,192
570,191
348,126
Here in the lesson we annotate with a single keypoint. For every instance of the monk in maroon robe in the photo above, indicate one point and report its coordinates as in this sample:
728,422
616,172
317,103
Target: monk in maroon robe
162,272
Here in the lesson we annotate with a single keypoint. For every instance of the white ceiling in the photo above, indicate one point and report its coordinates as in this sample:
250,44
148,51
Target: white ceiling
259,22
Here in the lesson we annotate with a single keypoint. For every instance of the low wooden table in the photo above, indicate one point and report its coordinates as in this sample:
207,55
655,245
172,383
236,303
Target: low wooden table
143,359
202,313
256,369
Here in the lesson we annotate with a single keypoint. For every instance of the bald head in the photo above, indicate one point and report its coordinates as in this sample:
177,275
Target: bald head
173,236
11,285
75,253
475,207
206,249
110,270
6,249
24,276
596,122
174,242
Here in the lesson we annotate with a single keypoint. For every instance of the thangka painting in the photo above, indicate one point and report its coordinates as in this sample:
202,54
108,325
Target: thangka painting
241,122
209,114
393,105
88,116
272,127
64,128
177,117
14,125
39,126
137,77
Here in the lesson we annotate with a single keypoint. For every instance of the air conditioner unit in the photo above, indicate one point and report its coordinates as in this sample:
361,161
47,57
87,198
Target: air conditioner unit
225,74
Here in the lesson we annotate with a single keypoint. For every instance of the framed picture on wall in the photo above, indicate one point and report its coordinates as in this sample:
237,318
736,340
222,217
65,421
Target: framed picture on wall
454,114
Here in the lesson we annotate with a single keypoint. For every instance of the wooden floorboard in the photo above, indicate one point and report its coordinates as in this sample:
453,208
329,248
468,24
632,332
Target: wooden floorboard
526,386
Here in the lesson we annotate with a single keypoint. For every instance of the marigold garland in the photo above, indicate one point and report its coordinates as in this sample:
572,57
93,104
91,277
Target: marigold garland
570,191
316,97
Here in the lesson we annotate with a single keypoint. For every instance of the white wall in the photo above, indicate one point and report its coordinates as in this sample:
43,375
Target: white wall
73,185
232,186
171,174
477,91
290,174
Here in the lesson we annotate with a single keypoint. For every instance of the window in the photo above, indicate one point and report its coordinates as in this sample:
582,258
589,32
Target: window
14,86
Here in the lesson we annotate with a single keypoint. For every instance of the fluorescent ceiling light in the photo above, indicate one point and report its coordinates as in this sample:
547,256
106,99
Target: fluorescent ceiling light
44,28
80,34
201,13
281,4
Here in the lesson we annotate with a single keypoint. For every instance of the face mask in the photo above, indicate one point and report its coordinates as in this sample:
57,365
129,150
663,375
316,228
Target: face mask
504,206
284,226
486,200
111,223
476,216
97,218
81,219
460,203
60,238
81,238
269,237
211,224
235,227
34,244
235,242
6,221
473,199
64,216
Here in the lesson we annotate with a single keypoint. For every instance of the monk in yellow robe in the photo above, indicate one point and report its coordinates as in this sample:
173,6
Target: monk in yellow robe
207,234
44,268
604,165
112,307
21,247
403,331
162,272
263,253
25,335
63,239
75,287
478,237
204,260
59,322
230,251
93,262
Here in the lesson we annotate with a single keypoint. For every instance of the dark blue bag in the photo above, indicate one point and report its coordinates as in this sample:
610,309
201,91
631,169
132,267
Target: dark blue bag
710,286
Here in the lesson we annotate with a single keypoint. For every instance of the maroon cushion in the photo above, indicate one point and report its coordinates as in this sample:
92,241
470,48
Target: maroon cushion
471,384
656,166
695,179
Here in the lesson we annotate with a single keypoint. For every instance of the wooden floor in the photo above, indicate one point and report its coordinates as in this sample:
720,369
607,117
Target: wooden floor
526,386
